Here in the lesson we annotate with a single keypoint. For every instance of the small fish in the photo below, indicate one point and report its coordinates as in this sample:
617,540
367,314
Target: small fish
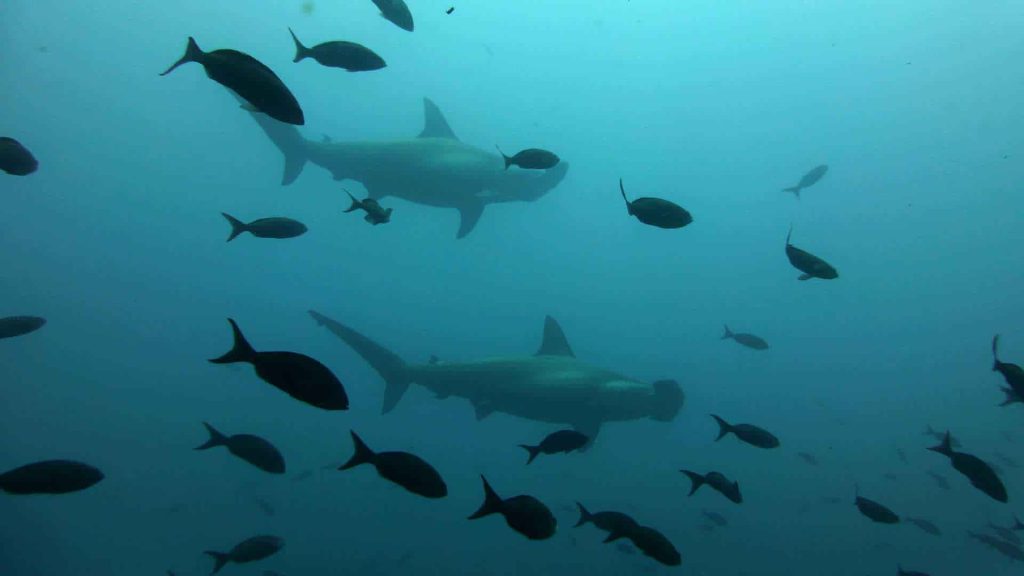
616,524
753,435
890,476
563,441
744,339
925,525
12,326
655,545
374,213
809,264
1001,546
298,375
339,54
524,514
50,477
250,550
247,77
808,457
252,449
939,479
15,159
407,470
304,475
808,180
718,481
715,517
875,511
1005,533
975,469
265,227
901,572
265,506
656,211
450,10
397,12
531,159
902,455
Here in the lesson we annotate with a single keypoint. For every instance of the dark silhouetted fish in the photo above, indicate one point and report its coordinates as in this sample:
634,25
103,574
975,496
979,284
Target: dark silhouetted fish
655,545
50,477
247,77
252,449
251,550
397,12
12,326
301,476
407,470
298,375
266,227
808,180
715,517
753,435
374,213
975,469
15,159
901,572
925,525
748,340
656,211
718,481
531,159
1001,546
808,457
875,511
890,476
339,54
939,479
929,431
524,514
809,264
563,441
450,10
1017,524
616,524
902,455
265,506
1012,373
1005,533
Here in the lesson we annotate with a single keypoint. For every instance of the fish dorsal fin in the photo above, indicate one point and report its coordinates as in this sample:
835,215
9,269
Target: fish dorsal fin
434,123
554,342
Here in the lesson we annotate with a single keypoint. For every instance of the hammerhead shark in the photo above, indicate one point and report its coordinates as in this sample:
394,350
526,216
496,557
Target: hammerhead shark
550,386
435,168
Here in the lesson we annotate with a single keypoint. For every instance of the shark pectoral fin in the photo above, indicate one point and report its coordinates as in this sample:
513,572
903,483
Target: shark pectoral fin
590,429
483,410
470,214
554,342
434,123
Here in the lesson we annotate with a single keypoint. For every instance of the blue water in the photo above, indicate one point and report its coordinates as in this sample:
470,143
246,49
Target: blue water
117,240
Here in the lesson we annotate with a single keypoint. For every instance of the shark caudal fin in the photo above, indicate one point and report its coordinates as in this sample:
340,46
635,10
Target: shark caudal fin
287,139
390,367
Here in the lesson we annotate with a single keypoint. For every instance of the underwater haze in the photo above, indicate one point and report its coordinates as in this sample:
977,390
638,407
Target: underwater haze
717,106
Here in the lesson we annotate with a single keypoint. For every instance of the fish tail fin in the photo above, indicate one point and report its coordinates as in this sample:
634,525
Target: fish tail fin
696,479
585,516
237,226
995,353
508,160
789,234
391,368
241,351
622,189
728,333
533,450
946,448
356,204
192,54
301,52
363,454
492,502
1011,396
795,190
216,438
219,558
723,427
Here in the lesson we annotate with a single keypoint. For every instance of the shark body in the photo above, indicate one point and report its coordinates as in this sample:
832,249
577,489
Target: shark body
550,386
435,169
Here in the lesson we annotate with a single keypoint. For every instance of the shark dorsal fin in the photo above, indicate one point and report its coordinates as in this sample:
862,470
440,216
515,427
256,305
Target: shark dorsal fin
554,342
434,124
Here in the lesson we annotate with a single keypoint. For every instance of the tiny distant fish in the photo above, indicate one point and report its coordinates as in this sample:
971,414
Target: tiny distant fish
901,572
374,213
253,449
12,326
718,481
266,227
715,517
562,441
1006,460
50,477
809,179
975,469
298,375
655,545
265,506
407,470
397,12
616,524
748,340
15,159
247,77
1005,533
809,264
902,455
656,211
531,159
925,525
450,10
250,550
890,476
753,435
875,511
939,479
1001,546
339,54
304,475
524,514
808,457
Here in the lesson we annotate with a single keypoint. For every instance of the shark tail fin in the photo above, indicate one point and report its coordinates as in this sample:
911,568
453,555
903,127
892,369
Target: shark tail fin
533,450
492,502
241,351
192,54
585,516
696,479
219,558
356,204
391,368
216,438
723,427
287,139
301,52
237,226
363,454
